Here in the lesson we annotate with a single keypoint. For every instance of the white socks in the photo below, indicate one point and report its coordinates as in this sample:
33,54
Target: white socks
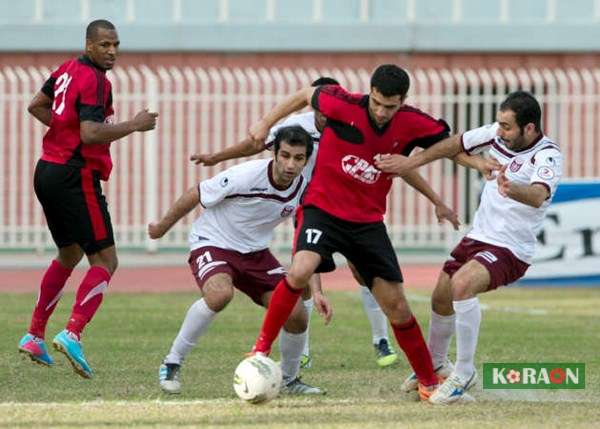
291,346
196,321
441,329
308,306
468,319
377,319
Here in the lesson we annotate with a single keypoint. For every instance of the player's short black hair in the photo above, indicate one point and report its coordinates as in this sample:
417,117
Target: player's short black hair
92,29
325,80
526,107
293,135
390,80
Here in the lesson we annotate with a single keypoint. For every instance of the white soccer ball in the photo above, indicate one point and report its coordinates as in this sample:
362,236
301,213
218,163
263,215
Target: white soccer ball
257,379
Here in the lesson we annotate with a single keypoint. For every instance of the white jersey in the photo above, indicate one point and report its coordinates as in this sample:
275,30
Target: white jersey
306,121
242,207
503,221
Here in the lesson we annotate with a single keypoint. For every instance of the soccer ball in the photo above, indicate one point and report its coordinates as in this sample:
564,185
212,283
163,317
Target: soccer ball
257,379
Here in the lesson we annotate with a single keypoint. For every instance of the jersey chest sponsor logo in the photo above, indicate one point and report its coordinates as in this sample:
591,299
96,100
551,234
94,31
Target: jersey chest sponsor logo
360,169
287,210
516,165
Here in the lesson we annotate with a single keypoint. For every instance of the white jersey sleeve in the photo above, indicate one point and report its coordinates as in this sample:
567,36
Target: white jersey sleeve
548,169
479,139
217,188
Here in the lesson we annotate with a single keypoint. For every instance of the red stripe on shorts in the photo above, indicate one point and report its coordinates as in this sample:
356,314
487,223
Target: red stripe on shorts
91,201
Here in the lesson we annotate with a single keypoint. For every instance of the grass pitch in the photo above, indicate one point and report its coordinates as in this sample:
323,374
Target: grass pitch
131,334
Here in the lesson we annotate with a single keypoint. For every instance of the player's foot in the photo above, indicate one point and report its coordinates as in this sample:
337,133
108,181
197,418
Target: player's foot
305,362
298,387
442,371
453,390
168,377
426,391
68,344
385,355
36,349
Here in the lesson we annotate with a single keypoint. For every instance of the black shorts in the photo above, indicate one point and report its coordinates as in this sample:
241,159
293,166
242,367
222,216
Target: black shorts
366,245
75,209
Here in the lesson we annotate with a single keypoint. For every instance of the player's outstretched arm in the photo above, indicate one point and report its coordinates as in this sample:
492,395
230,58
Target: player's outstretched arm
185,204
533,194
487,167
442,211
40,107
400,165
291,104
247,147
100,133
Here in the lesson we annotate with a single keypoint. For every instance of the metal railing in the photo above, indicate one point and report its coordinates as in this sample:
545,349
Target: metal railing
204,110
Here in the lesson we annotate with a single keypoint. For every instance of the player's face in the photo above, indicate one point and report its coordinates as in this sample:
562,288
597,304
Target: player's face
515,137
382,108
320,120
103,49
288,163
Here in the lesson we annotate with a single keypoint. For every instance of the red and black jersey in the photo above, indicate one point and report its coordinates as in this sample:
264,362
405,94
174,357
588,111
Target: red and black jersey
80,92
345,182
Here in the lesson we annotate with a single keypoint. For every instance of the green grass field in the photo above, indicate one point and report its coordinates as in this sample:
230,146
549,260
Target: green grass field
131,334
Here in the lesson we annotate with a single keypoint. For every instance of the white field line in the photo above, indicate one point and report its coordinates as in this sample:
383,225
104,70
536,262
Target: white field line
487,307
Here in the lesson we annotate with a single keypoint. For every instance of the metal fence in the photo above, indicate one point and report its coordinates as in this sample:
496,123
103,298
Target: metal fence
204,110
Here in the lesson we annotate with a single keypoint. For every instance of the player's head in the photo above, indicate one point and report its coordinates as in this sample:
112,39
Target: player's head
519,118
321,119
292,147
389,86
102,43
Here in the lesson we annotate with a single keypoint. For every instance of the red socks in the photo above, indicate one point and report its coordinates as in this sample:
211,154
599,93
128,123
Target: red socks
88,299
282,303
50,292
410,339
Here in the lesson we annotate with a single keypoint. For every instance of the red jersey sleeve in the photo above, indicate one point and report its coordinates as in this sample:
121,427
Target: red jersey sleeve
92,96
333,101
425,131
48,87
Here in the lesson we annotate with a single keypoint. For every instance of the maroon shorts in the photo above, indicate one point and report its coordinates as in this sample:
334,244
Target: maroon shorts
504,267
253,273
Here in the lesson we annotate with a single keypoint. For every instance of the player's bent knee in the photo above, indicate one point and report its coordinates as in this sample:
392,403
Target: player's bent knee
461,287
297,322
218,292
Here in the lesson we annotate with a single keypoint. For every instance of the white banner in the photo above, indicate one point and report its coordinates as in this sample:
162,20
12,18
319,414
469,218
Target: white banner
568,251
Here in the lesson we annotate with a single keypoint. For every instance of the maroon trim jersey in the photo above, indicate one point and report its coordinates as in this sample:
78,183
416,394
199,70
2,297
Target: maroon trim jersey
345,182
80,92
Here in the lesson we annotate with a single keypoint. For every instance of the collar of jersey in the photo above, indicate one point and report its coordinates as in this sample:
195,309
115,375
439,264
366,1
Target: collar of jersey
84,59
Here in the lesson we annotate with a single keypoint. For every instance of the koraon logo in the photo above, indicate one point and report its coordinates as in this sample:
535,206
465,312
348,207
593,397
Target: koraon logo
534,376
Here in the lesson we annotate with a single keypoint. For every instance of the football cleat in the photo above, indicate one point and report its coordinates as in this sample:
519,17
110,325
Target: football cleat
442,371
305,362
298,387
385,355
36,349
168,378
453,390
68,344
426,391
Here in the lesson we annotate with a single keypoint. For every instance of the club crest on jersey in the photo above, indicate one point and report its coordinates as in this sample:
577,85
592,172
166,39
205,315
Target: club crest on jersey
287,210
516,165
360,169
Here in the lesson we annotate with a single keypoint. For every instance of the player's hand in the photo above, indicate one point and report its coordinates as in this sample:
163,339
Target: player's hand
323,307
443,212
503,182
259,131
155,230
393,164
145,120
206,160
489,167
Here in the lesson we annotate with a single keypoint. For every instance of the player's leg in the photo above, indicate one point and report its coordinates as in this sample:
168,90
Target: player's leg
217,292
386,356
89,219
441,329
307,301
49,185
